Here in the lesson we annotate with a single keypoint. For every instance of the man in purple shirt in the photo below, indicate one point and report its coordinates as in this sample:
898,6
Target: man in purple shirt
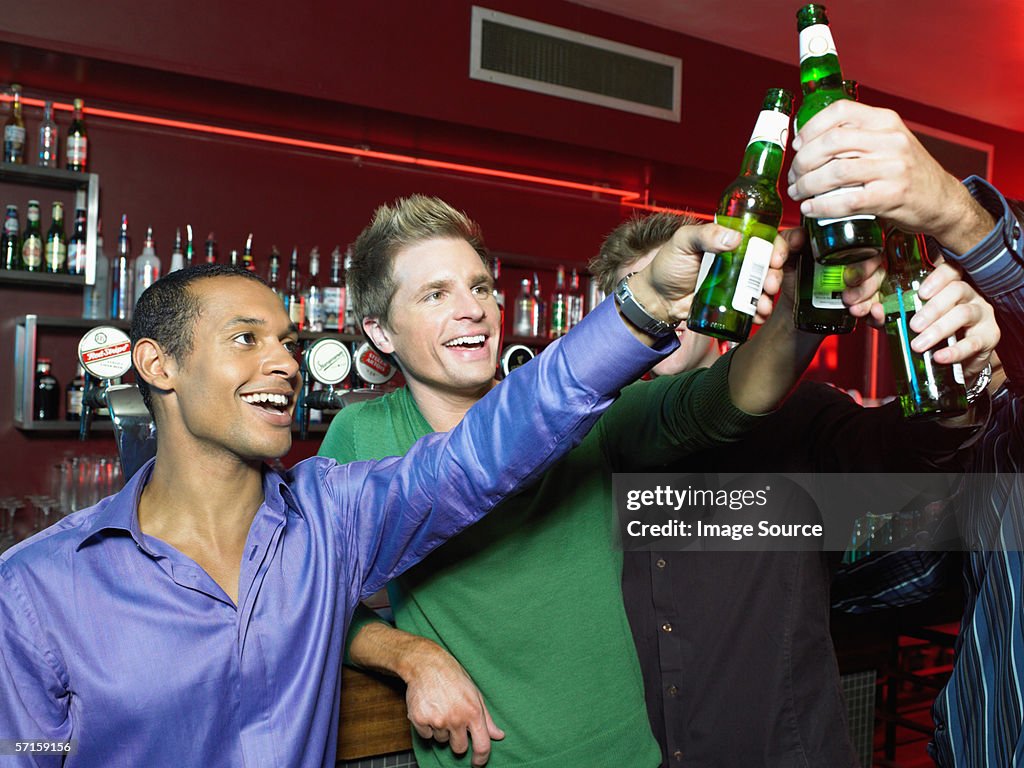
197,617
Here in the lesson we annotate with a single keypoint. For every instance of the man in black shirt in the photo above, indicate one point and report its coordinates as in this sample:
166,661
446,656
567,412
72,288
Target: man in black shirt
735,650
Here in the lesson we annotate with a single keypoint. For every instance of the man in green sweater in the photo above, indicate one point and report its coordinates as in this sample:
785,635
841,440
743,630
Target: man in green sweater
528,601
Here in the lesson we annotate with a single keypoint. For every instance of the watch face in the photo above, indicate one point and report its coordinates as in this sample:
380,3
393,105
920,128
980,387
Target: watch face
515,356
329,361
105,352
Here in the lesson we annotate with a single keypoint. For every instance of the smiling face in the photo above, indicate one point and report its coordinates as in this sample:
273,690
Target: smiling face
235,392
443,324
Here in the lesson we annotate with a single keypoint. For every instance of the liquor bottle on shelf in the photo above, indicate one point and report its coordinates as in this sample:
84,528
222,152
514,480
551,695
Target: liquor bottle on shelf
55,250
499,295
247,260
96,300
121,300
233,258
524,316
274,270
334,294
540,313
46,397
73,396
77,154
190,248
833,241
32,240
729,284
574,300
294,302
819,304
46,155
352,324
558,307
313,295
924,388
10,244
76,245
210,249
177,255
14,130
147,266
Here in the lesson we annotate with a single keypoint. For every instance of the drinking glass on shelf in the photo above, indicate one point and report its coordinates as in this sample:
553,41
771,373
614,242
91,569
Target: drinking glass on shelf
9,506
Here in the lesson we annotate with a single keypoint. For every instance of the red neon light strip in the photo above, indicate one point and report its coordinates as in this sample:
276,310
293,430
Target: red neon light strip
624,195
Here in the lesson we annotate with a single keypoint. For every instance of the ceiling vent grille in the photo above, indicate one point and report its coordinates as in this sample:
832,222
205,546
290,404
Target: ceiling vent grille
526,54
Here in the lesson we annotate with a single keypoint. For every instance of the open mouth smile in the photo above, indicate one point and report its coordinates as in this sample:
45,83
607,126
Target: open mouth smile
467,342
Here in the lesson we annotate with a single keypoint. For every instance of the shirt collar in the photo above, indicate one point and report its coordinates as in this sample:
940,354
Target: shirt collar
120,511
277,493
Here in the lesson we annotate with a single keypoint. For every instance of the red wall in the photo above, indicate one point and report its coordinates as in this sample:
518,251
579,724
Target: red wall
392,76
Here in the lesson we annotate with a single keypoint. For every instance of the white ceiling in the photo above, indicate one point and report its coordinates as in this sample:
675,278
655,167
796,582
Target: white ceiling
908,48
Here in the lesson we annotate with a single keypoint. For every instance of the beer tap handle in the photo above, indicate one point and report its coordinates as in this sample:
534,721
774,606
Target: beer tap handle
105,354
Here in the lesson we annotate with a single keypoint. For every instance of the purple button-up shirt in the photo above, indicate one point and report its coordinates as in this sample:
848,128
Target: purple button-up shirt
117,641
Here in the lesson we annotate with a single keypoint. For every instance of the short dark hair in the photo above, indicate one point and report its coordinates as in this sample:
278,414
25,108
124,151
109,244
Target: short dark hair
167,312
406,222
631,241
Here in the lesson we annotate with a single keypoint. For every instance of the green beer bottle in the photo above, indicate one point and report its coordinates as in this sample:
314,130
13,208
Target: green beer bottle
55,248
925,389
32,240
819,304
729,284
833,241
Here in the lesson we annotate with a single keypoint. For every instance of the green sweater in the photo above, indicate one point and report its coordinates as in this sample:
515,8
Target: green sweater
529,599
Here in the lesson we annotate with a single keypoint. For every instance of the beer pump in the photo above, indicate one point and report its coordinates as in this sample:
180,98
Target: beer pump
329,362
105,354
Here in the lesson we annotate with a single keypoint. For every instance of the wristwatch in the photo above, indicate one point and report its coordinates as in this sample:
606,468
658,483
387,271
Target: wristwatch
634,311
980,384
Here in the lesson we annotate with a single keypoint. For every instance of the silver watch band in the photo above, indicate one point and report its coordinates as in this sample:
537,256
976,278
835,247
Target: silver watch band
635,312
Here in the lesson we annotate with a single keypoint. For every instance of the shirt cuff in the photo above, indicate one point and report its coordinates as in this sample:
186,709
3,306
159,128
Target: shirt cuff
994,265
605,352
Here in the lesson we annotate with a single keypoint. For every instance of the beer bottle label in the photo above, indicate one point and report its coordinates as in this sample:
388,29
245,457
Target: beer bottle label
14,135
56,254
756,261
78,150
827,292
11,226
32,251
958,370
772,127
705,267
816,40
76,258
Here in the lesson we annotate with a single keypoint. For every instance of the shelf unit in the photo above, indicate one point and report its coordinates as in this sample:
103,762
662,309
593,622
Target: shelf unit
27,330
55,178
26,337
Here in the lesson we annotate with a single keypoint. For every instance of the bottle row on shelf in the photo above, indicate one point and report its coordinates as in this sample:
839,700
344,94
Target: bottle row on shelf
48,145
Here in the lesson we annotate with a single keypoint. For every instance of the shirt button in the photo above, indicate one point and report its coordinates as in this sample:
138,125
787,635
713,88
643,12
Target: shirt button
666,627
660,562
677,756
941,727
1016,233
673,691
